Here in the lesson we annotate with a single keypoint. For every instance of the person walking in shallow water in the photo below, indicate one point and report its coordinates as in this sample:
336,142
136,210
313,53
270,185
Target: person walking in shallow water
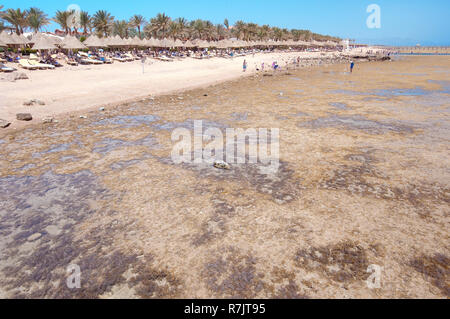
352,65
244,66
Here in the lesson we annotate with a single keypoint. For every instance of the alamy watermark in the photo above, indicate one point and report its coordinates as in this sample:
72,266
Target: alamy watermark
73,281
374,19
374,280
236,146
74,19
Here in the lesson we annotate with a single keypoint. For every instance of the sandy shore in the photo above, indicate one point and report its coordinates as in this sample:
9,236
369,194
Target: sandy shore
74,89
363,180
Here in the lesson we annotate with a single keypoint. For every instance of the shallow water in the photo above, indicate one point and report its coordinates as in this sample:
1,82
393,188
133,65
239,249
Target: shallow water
361,170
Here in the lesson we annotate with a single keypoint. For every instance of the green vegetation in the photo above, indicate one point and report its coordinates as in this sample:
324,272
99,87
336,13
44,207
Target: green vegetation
103,24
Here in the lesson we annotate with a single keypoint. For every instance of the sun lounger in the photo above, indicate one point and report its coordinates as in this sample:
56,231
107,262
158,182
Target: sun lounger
106,60
165,59
41,65
4,68
120,59
71,62
131,57
26,65
34,57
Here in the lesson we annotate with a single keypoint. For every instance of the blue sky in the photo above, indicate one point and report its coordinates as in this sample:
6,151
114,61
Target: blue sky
403,22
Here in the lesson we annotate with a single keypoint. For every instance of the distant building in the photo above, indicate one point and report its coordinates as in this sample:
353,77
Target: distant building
346,44
60,33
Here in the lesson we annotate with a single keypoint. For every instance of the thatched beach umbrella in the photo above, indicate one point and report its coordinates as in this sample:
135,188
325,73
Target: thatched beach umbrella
94,42
71,43
167,43
150,43
8,39
3,44
189,44
201,44
178,44
44,44
136,41
116,42
37,36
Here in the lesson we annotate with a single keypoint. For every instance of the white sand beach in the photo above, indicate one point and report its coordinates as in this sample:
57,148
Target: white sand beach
72,89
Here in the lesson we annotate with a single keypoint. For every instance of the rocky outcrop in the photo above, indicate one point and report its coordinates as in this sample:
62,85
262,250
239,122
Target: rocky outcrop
24,117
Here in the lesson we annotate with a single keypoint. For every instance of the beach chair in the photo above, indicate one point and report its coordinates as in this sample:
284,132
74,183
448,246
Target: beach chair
26,65
34,57
41,65
71,62
120,59
4,68
131,57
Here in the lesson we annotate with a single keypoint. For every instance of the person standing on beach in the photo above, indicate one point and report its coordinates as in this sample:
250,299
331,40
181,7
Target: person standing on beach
244,66
352,65
143,59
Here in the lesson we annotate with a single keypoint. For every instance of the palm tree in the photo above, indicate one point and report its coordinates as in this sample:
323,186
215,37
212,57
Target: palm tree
37,19
183,27
120,28
220,32
16,18
240,28
85,21
174,30
62,18
103,21
198,28
226,24
137,21
210,30
160,24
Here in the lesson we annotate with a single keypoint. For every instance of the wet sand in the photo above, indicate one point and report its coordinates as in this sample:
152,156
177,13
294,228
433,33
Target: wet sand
74,90
363,180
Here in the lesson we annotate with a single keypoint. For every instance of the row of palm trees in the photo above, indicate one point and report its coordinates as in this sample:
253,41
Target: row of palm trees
103,24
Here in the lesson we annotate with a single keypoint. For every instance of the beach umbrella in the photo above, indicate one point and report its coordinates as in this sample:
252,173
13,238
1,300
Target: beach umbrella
166,43
7,38
317,43
150,43
136,41
37,36
19,39
71,43
189,44
114,41
201,44
178,44
94,42
3,44
43,44
222,44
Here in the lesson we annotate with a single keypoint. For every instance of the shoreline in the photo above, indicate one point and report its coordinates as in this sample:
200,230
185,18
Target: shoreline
215,71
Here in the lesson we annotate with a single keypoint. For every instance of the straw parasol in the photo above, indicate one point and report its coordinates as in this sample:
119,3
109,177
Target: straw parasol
71,43
94,42
178,44
189,44
201,44
7,38
37,36
166,43
3,44
44,44
19,39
